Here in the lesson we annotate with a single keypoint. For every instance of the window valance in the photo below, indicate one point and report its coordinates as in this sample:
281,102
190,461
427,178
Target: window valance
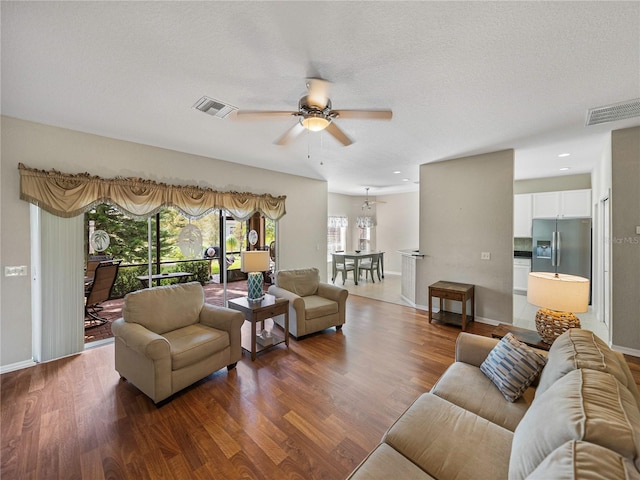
366,222
68,195
338,222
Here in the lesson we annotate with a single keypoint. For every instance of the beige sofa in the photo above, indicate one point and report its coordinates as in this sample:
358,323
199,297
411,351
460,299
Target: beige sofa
582,421
313,305
170,338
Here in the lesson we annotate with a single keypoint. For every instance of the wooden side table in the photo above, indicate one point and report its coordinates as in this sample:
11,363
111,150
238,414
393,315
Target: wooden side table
528,337
255,312
460,292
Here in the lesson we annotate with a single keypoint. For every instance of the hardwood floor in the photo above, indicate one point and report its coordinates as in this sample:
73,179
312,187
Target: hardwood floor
312,412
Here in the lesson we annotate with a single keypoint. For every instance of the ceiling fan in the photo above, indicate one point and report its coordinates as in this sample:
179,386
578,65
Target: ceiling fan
368,203
315,113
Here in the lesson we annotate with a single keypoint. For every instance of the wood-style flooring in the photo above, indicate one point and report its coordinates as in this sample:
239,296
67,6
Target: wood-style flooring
312,412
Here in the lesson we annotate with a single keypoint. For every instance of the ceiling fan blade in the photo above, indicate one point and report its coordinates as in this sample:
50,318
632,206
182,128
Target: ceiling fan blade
290,134
334,130
263,113
318,92
368,114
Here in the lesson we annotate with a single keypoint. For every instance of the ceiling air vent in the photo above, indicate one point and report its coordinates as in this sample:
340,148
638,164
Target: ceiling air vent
612,113
214,107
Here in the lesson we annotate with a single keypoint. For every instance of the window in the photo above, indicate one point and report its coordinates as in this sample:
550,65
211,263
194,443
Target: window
336,235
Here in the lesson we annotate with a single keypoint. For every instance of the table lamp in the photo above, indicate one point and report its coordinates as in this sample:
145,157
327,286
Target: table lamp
560,296
255,262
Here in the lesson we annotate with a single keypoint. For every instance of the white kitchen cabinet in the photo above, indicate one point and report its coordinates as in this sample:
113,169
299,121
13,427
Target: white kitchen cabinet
576,203
522,215
568,203
521,269
546,205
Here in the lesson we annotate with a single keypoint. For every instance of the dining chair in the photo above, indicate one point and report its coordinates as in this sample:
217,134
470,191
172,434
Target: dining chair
98,291
371,265
343,266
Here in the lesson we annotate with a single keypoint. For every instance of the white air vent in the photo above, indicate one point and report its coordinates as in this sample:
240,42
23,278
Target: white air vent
214,107
612,113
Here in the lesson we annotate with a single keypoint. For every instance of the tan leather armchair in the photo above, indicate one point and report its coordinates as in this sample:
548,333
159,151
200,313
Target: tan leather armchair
313,305
169,338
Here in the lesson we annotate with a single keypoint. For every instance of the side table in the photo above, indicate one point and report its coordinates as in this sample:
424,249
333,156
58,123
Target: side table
460,292
255,312
528,337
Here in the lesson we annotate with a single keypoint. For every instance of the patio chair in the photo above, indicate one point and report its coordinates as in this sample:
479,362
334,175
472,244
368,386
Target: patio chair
98,291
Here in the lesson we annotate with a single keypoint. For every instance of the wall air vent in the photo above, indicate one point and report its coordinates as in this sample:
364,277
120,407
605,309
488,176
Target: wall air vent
214,107
612,113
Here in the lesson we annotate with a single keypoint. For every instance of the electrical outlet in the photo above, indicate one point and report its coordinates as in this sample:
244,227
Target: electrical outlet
485,256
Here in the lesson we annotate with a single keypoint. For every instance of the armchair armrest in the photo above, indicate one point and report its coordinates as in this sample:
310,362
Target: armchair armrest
333,292
141,340
221,318
295,301
473,349
227,320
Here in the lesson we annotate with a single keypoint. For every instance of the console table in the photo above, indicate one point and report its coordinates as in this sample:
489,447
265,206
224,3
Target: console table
460,292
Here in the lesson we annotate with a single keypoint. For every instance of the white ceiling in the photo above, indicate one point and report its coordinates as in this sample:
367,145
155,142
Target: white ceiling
461,78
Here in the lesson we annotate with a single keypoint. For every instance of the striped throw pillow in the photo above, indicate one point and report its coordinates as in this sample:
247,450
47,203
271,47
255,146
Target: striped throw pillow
512,366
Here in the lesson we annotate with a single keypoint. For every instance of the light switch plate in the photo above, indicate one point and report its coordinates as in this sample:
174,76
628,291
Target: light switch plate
19,271
485,256
638,229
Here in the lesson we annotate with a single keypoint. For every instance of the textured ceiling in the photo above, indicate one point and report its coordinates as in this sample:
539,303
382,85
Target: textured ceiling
461,78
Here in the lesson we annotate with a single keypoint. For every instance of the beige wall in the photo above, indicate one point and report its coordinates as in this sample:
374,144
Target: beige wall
625,242
398,227
553,184
302,231
466,207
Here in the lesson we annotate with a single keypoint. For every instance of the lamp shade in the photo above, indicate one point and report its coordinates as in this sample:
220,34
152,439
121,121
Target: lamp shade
559,292
255,261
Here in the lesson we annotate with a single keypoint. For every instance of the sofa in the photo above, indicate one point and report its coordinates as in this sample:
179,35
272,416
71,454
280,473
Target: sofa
580,419
168,338
313,305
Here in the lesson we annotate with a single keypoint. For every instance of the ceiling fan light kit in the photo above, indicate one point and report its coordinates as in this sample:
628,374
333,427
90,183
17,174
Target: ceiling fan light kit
315,122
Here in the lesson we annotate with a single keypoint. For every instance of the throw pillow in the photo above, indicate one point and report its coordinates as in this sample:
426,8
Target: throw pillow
512,366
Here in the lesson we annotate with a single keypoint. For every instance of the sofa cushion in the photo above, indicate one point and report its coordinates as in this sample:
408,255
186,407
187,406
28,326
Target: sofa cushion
385,463
512,366
302,282
469,388
193,343
162,309
449,442
316,307
584,405
578,348
578,460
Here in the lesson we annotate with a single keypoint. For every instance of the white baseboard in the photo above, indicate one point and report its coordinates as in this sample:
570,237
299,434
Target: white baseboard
17,366
625,350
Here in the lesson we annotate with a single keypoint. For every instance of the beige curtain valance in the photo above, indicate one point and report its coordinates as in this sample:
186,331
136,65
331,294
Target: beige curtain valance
68,195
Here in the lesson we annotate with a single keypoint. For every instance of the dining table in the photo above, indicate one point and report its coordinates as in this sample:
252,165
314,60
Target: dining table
356,256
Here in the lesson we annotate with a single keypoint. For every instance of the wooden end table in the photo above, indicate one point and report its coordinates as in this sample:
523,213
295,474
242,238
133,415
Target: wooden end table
255,312
460,292
528,337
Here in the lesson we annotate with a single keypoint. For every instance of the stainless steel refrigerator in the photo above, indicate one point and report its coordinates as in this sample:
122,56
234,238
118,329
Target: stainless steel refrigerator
563,246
